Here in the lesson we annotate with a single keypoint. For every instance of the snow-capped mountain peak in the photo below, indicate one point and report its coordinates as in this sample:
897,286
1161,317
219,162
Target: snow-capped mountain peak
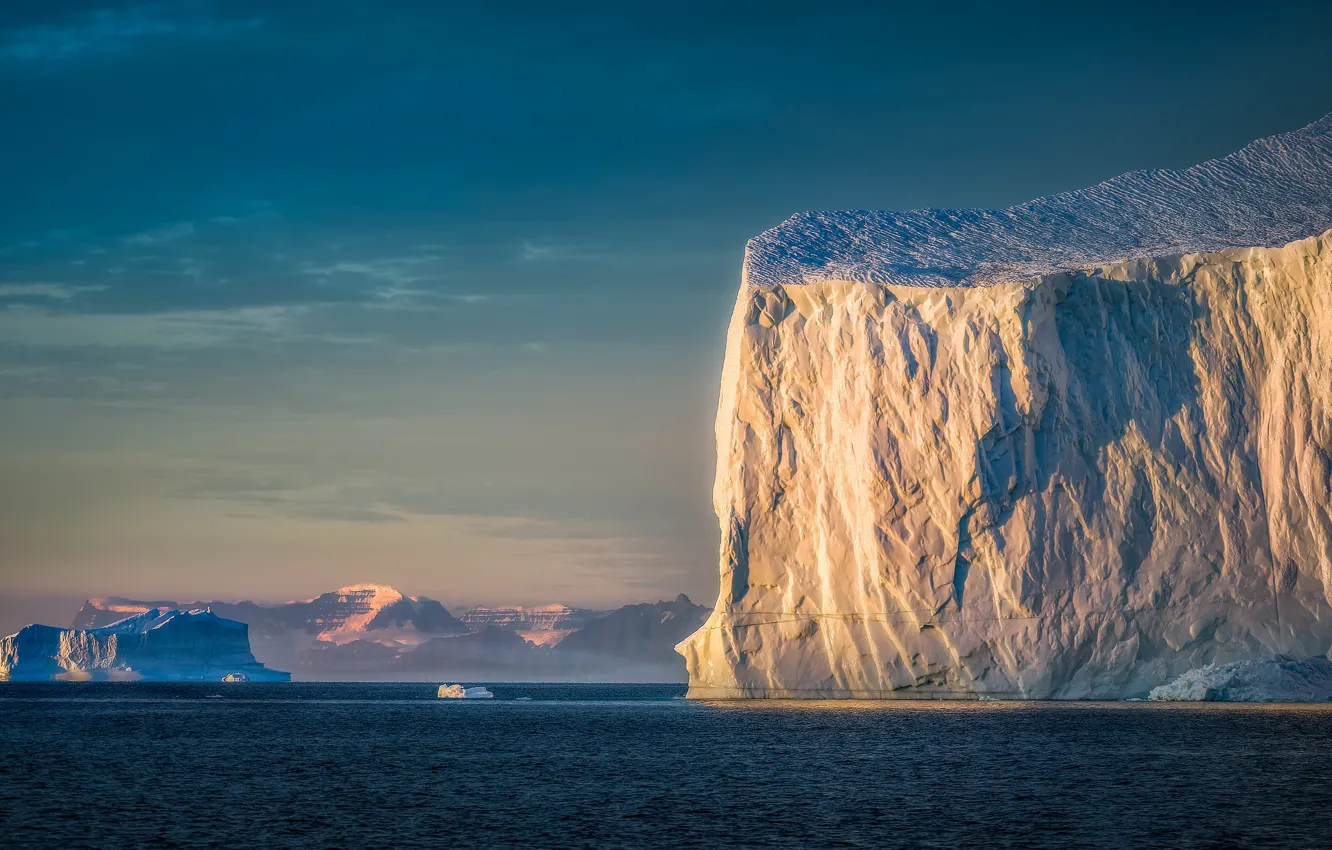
354,608
389,594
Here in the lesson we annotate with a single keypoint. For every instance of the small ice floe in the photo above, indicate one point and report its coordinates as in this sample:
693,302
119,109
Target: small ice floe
459,692
522,699
1277,679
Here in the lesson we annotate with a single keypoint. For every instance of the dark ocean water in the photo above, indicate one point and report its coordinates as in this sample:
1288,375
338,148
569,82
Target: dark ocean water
345,765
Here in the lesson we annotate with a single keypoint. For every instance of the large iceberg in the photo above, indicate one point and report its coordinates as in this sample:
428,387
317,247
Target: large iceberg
160,644
1071,449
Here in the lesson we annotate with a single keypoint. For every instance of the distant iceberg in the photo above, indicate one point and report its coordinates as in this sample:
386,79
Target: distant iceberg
1277,679
459,692
157,645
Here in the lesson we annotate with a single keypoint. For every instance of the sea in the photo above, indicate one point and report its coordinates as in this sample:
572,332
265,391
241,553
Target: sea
548,766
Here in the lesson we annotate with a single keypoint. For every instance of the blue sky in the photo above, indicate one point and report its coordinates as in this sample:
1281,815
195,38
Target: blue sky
299,294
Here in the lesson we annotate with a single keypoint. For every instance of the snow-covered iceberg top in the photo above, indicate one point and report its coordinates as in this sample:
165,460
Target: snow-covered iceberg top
1272,192
157,618
154,619
1277,679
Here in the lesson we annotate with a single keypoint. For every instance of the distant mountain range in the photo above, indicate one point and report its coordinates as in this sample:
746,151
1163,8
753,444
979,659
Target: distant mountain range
544,624
349,610
375,632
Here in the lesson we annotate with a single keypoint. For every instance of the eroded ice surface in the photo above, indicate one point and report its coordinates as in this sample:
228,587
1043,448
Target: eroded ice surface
1272,192
1278,679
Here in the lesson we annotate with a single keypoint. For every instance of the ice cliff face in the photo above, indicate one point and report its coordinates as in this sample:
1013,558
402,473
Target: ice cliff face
156,645
1071,449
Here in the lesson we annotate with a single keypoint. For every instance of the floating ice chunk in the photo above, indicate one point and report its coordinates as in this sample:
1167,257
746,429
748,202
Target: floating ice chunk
1280,678
459,692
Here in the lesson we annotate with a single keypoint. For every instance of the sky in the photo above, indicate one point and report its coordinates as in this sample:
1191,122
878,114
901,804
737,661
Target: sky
301,294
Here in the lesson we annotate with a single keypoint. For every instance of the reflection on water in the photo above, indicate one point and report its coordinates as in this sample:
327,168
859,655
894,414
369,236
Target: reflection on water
635,766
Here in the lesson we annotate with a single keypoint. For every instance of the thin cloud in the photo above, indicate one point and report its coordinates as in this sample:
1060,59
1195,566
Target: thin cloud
49,291
534,251
340,513
161,235
260,211
290,493
17,247
531,251
393,270
404,282
32,327
107,32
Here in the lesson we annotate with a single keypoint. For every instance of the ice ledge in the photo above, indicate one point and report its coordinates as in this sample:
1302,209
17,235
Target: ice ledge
1271,192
